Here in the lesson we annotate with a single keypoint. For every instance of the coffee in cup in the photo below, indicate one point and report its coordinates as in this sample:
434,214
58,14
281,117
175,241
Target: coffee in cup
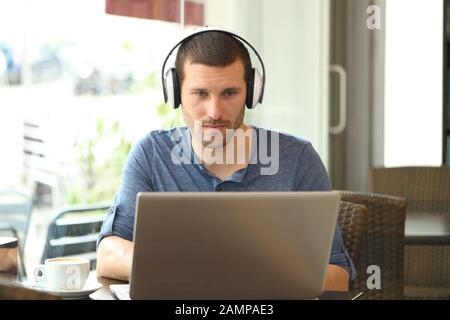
63,273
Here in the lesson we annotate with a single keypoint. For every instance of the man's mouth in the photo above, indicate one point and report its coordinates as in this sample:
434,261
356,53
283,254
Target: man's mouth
214,126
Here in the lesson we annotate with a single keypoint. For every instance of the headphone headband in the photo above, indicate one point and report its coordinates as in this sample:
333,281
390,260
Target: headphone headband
204,30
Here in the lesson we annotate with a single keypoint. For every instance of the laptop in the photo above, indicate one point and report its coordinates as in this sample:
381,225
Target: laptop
231,245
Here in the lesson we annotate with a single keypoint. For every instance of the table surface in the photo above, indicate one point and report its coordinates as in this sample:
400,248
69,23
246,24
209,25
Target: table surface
427,228
105,293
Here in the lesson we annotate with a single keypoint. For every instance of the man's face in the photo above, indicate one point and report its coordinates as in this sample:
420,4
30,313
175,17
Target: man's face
213,99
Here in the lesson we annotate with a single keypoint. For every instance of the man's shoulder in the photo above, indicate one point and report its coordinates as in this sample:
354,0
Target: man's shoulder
158,143
287,142
294,152
161,136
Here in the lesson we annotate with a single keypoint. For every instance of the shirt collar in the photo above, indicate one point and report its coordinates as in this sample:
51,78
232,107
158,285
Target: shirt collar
237,176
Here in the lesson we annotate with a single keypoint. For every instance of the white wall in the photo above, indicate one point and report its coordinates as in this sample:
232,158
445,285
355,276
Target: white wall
413,85
292,38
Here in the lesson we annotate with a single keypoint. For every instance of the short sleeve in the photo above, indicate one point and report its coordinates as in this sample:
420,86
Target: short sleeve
339,255
312,176
136,177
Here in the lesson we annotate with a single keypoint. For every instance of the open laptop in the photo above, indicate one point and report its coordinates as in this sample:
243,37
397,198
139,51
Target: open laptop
231,245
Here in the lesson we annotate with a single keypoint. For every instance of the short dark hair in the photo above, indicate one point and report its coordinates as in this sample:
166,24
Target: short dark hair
215,49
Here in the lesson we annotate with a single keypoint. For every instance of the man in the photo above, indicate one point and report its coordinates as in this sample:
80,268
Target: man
213,69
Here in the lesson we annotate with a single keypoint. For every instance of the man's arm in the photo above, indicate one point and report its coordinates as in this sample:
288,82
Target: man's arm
114,258
114,252
312,176
337,278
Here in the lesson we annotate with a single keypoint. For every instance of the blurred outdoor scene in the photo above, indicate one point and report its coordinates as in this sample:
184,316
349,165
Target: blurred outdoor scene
78,87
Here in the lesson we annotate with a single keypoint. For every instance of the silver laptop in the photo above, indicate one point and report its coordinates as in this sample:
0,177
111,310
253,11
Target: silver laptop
232,245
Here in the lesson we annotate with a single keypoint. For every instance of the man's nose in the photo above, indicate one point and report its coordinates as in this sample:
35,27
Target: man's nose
215,108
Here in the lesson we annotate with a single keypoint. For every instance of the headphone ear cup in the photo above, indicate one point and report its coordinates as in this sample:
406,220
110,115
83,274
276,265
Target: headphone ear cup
258,87
250,89
176,89
172,88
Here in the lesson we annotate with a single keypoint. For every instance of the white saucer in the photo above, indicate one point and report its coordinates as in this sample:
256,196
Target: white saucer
88,288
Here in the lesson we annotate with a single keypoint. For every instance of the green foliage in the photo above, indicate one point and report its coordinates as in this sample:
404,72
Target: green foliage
149,83
101,159
171,118
102,156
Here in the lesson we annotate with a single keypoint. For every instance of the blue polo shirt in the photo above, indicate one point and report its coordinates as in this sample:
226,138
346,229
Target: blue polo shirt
164,161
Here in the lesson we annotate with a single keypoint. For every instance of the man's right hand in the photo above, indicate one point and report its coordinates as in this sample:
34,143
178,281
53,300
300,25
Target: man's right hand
114,258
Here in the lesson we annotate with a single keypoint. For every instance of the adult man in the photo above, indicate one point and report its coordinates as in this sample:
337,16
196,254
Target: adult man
215,75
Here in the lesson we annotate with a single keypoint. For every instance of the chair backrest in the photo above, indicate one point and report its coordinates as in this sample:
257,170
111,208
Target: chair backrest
42,160
352,220
426,189
74,232
382,244
15,213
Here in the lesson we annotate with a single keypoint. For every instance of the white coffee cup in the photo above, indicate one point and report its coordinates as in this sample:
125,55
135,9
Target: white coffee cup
63,273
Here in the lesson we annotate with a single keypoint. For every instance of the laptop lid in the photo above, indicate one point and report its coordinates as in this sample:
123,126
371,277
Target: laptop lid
232,245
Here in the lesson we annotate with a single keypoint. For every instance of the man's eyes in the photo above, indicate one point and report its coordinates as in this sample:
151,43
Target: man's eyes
230,93
203,94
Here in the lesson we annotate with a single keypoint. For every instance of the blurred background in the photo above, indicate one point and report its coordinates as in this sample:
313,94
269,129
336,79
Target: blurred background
364,81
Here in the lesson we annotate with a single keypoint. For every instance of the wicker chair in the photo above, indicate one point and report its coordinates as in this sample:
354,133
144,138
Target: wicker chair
427,191
382,244
352,220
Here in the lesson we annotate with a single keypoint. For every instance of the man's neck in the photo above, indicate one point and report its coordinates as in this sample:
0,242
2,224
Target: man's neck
223,161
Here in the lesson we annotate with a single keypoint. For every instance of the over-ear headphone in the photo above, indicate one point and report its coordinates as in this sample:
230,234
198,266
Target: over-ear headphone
172,86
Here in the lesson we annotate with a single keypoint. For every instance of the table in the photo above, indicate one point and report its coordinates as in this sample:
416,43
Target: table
427,229
10,290
105,293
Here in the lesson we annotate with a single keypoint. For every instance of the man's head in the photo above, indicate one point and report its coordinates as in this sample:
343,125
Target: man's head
213,69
